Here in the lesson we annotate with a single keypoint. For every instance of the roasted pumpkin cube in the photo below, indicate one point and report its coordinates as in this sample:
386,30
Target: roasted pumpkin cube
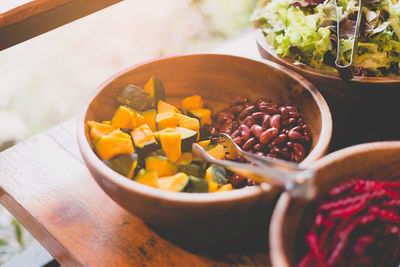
108,146
175,183
156,89
135,98
165,107
166,119
147,177
150,119
97,129
163,165
192,102
188,123
171,144
217,151
123,164
202,114
144,140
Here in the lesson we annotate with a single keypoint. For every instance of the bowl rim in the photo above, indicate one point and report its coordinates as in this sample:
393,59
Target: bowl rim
278,257
304,69
91,159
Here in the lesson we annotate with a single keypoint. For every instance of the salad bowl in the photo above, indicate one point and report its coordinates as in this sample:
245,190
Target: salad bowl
218,79
354,104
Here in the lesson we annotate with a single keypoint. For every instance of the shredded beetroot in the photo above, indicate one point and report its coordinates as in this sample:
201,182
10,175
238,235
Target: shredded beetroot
358,224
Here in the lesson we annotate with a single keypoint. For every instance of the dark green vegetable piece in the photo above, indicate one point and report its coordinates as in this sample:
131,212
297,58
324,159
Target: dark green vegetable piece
156,89
197,185
123,164
188,137
191,170
136,98
216,174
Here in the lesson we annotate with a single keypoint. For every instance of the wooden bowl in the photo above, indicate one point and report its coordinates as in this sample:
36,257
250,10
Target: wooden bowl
217,78
378,160
354,104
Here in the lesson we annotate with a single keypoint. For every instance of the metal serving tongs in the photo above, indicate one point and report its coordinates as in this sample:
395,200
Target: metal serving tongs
297,181
346,72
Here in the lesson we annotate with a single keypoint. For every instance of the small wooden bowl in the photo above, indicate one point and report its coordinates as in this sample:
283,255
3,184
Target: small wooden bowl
218,79
378,160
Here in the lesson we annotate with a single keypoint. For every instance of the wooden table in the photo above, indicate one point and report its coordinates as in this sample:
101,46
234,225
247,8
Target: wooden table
47,187
28,18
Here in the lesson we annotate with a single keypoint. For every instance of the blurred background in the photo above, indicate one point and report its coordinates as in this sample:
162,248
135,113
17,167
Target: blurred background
45,80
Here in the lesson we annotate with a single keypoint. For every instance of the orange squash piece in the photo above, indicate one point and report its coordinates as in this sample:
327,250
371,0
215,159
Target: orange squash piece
108,146
192,102
97,129
171,144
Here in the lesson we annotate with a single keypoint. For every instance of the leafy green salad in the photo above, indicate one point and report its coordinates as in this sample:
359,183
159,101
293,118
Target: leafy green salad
305,31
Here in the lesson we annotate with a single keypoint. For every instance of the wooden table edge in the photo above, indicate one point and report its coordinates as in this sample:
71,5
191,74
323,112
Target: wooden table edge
37,17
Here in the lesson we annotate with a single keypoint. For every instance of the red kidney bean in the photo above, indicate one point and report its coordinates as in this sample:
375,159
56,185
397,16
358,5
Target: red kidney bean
238,140
262,100
267,135
250,182
306,137
271,155
285,152
265,122
227,126
244,131
278,140
249,143
247,111
284,112
276,150
224,116
211,130
256,130
236,109
257,147
259,153
238,181
257,116
291,109
294,114
240,100
296,128
267,109
299,152
300,121
235,133
292,120
306,129
289,144
275,121
249,121
295,135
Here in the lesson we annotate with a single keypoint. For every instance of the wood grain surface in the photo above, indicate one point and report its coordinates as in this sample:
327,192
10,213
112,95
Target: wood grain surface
39,16
46,186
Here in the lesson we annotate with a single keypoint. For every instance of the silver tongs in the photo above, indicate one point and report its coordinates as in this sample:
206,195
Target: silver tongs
297,181
346,72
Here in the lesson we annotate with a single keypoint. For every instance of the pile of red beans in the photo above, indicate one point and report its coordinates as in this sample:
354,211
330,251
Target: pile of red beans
265,128
357,224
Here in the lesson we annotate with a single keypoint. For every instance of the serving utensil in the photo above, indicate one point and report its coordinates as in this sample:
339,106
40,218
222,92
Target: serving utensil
297,181
346,72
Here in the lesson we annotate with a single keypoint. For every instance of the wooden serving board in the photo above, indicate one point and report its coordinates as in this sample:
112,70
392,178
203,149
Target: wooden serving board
47,187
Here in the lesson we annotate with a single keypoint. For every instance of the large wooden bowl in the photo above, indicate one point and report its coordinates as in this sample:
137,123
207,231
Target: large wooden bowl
378,160
354,104
217,78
